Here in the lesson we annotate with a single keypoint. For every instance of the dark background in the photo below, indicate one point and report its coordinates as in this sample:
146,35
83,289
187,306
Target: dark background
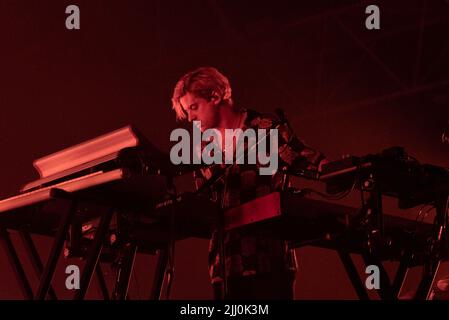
346,90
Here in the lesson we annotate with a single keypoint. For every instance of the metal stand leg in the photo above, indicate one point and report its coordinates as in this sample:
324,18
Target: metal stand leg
93,254
385,290
438,249
15,262
401,274
425,286
353,275
35,258
55,252
126,264
159,276
102,282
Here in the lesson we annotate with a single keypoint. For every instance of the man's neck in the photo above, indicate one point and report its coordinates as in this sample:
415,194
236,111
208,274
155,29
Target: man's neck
231,119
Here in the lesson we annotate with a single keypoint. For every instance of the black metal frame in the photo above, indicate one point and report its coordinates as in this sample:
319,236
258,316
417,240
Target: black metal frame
36,261
124,272
93,254
439,248
388,290
14,260
56,249
46,273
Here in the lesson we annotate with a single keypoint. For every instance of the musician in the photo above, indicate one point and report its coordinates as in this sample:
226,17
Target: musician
257,265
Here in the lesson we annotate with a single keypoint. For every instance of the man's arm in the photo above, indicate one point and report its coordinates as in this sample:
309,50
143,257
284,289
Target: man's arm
296,154
293,153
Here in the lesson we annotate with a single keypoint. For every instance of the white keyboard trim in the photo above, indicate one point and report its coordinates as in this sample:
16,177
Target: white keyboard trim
36,196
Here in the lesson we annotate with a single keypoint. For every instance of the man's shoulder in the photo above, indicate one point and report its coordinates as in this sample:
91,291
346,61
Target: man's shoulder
259,120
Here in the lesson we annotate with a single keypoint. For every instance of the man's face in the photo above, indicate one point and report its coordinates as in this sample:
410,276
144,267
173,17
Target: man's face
199,109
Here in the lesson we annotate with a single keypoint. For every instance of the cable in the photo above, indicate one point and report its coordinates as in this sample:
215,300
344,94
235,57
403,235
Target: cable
338,196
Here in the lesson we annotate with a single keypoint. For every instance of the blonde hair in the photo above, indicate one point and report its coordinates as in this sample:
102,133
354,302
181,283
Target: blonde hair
203,82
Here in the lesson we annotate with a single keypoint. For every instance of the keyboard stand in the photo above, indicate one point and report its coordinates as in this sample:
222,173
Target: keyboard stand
58,244
15,263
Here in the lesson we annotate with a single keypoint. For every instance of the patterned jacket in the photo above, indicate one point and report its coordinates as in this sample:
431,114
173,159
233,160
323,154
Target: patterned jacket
255,253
